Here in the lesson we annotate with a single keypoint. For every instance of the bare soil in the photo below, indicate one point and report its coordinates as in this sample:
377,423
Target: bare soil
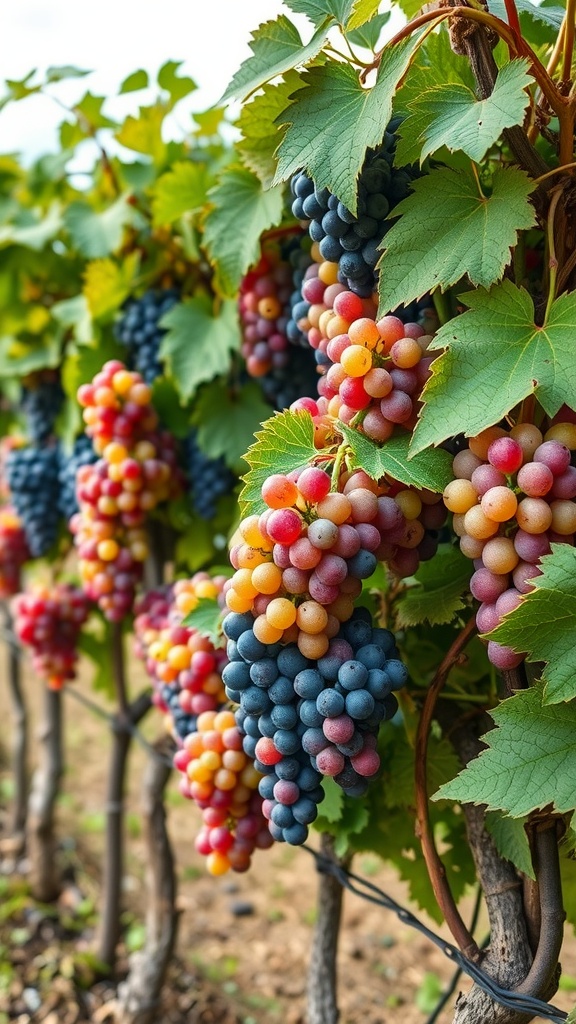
244,939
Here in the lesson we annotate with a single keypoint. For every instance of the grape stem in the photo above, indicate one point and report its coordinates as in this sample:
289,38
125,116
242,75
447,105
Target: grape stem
340,456
434,865
552,258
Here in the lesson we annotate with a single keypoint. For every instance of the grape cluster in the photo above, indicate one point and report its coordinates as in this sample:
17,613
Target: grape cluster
185,667
268,295
208,479
300,565
353,240
48,619
139,330
32,477
13,552
513,495
305,718
82,454
41,401
137,471
223,782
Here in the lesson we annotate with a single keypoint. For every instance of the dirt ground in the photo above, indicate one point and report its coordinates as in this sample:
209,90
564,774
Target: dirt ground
244,939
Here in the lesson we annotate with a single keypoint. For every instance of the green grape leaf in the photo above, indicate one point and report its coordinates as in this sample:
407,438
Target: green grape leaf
550,15
99,233
455,118
260,134
181,190
36,231
74,313
432,470
208,121
368,34
197,343
399,790
446,231
143,134
107,284
227,419
137,80
276,48
286,442
318,10
88,110
438,592
19,357
206,619
511,841
173,416
497,340
333,120
177,86
332,805
19,89
241,211
530,761
195,545
96,645
363,11
544,624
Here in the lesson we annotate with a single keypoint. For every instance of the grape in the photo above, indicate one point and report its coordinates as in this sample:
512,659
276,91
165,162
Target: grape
82,454
32,477
208,479
139,330
13,552
41,401
48,619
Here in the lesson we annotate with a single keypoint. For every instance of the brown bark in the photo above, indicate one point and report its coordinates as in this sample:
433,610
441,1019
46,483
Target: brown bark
139,994
322,989
14,842
41,839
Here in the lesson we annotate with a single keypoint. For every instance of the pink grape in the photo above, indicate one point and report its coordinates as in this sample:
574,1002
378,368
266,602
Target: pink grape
505,454
554,455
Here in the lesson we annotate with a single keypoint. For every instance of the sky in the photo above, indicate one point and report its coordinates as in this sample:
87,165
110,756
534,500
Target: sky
114,38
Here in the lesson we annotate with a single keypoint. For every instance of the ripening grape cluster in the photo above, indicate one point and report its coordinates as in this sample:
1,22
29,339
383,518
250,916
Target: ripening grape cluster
41,401
13,552
270,335
353,240
223,782
32,478
208,479
135,472
139,331
48,619
305,718
185,667
513,495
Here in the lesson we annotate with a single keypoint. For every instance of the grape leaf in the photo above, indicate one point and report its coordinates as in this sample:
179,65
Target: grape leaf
61,72
107,284
511,841
363,11
206,619
143,134
398,783
438,593
455,118
432,470
177,86
90,110
318,10
550,15
227,420
495,356
241,211
333,120
260,134
464,234
368,35
332,805
74,313
181,190
286,442
530,761
276,48
137,80
544,624
99,233
197,342
38,229
19,357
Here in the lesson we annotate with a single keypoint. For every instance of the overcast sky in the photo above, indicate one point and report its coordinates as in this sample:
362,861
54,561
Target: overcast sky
113,38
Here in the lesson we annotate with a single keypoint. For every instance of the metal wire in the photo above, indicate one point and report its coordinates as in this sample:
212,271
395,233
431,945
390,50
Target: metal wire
368,891
116,723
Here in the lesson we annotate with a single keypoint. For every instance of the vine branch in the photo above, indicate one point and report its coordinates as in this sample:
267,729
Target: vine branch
434,865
